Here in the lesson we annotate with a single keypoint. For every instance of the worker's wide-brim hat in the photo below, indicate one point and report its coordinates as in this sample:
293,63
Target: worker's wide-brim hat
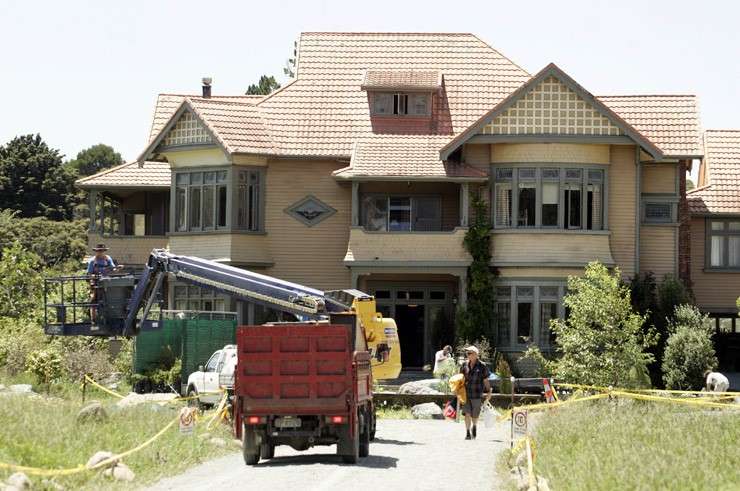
472,349
100,247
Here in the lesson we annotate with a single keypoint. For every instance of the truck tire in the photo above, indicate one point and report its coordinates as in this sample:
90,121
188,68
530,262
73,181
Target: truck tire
195,401
250,446
267,450
348,446
373,422
364,449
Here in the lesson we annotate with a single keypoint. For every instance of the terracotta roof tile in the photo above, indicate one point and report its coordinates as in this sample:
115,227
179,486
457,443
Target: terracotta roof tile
722,158
392,156
130,175
671,122
402,80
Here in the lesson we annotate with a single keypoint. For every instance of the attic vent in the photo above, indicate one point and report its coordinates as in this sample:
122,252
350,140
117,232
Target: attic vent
187,131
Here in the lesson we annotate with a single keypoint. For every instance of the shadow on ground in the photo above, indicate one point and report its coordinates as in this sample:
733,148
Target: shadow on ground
372,461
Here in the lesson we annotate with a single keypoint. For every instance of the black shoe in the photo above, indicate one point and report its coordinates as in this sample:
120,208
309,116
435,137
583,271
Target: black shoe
475,432
467,435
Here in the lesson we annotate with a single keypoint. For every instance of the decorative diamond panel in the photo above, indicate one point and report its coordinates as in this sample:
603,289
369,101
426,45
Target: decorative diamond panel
187,131
310,210
551,108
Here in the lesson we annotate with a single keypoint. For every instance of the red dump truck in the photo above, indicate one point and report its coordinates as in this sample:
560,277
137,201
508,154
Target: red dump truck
304,384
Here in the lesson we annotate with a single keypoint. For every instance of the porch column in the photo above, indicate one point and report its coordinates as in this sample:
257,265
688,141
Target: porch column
464,203
355,203
462,299
355,282
92,204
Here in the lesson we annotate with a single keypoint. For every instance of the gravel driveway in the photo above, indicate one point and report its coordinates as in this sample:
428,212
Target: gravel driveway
406,455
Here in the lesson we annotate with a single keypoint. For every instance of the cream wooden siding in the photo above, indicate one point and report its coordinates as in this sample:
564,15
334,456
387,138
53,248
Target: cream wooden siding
239,249
550,249
449,193
308,255
478,155
526,272
446,248
550,152
714,292
658,250
622,207
130,251
207,157
659,178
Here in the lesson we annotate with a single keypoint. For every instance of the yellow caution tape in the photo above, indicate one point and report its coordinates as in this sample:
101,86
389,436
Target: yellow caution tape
551,405
649,391
81,468
104,389
675,400
176,399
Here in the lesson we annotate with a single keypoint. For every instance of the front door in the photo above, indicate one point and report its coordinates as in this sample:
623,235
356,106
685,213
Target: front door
410,321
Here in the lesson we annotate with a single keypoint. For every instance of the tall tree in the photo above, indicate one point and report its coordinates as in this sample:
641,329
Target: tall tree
289,68
265,86
94,159
33,180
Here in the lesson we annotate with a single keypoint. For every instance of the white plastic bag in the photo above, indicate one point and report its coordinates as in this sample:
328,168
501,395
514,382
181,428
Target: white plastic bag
489,414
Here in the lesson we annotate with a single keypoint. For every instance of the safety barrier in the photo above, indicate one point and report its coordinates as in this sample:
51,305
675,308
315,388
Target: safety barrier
89,380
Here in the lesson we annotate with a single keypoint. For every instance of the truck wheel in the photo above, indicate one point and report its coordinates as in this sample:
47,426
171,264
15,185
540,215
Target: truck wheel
249,446
349,446
267,450
193,399
373,422
364,449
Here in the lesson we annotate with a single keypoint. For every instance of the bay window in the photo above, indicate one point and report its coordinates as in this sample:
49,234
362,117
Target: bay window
204,198
723,244
523,312
567,197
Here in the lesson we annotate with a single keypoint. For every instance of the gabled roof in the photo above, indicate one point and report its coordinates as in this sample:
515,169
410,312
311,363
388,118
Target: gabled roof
551,70
408,80
722,193
669,121
151,175
391,157
235,126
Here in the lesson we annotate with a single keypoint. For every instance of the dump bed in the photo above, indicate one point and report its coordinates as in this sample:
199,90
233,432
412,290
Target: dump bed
298,369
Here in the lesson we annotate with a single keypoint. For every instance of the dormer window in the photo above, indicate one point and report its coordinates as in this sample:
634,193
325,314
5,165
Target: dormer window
401,92
399,104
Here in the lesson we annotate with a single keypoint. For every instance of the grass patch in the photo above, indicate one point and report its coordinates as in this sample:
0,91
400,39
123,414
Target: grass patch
638,445
43,432
393,412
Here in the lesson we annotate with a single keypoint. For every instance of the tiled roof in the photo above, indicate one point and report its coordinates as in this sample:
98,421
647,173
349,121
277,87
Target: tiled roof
130,175
392,156
722,158
671,122
167,104
402,80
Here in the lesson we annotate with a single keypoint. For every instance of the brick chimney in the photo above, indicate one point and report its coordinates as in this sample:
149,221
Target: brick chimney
207,87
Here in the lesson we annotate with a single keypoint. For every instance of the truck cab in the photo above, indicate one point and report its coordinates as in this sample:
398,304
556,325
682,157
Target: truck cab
216,375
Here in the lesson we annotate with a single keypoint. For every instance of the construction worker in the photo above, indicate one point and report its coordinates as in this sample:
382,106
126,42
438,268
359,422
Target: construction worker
476,380
715,382
100,264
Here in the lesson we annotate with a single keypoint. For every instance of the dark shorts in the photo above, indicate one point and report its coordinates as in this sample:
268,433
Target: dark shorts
472,407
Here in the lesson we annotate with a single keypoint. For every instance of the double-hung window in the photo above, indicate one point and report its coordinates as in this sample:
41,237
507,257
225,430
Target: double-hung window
248,200
723,244
567,197
523,313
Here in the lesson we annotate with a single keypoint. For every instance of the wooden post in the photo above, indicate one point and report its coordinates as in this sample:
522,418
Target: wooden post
84,387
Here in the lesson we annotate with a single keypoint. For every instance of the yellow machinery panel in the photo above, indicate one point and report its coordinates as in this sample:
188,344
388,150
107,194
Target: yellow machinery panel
382,339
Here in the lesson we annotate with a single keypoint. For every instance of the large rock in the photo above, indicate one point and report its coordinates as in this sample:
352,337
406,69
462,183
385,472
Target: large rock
428,410
98,457
93,412
217,442
121,472
19,481
49,484
22,389
420,387
134,399
2,387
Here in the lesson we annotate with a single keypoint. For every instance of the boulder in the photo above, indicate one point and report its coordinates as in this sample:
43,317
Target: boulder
93,412
427,410
98,457
21,389
420,387
217,442
121,472
48,484
19,481
134,399
2,387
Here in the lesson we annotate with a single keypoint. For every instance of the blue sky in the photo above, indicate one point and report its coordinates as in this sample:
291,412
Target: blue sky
85,72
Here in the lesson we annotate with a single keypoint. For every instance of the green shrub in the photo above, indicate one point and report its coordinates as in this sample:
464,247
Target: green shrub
689,350
18,339
21,285
602,341
46,365
57,243
533,357
124,361
84,355
503,370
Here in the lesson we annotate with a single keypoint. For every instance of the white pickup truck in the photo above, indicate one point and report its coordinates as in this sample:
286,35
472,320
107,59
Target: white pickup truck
218,373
